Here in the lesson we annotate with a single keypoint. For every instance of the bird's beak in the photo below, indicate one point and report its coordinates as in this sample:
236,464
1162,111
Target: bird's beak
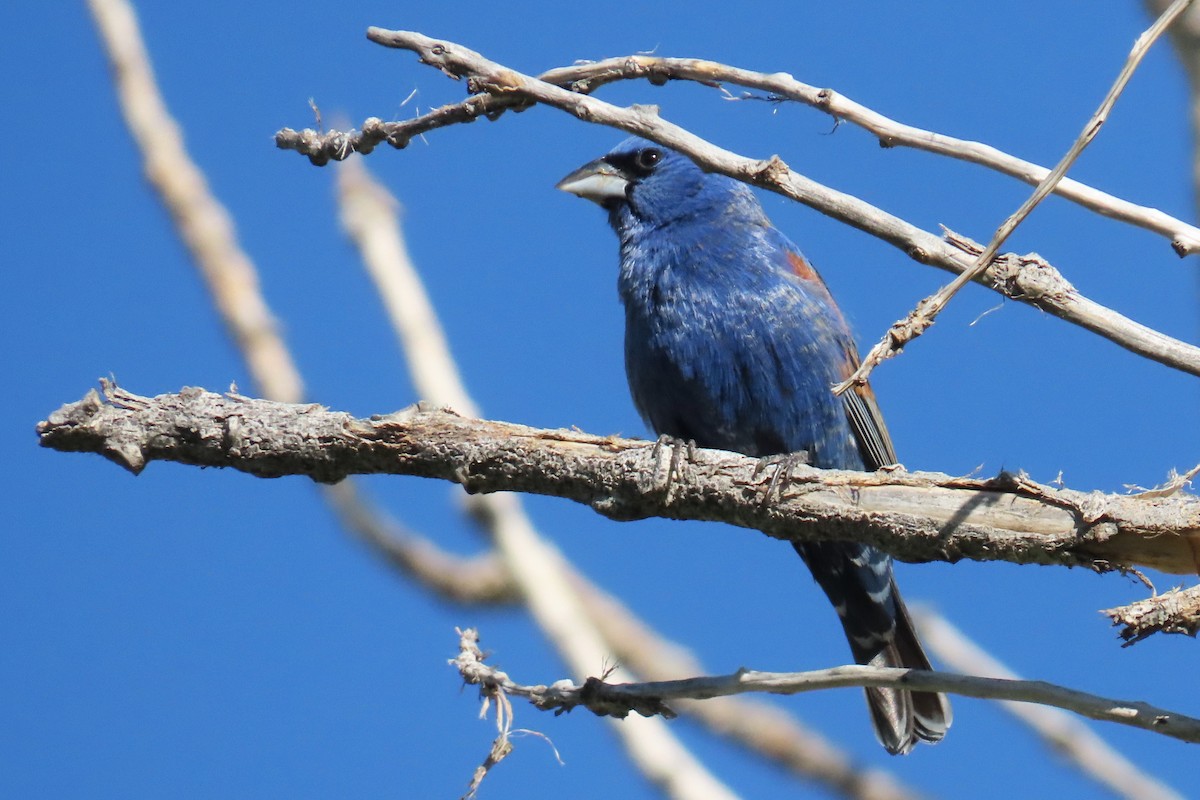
598,181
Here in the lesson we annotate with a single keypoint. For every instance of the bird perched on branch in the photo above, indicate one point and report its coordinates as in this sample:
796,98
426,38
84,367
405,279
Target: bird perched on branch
733,341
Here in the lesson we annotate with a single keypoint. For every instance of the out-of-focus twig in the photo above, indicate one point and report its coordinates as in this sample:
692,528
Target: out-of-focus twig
480,579
1185,37
202,221
1064,734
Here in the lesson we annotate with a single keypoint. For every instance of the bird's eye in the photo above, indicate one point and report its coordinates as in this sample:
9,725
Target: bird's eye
646,159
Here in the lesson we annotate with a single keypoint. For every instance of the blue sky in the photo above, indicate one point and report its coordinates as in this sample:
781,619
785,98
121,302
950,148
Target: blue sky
197,633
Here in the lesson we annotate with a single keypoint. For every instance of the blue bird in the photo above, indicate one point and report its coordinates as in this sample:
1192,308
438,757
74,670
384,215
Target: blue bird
732,340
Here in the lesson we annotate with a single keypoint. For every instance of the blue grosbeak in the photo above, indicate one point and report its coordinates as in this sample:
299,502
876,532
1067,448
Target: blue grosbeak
733,341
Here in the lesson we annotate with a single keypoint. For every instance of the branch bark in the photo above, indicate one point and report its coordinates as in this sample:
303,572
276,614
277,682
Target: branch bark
915,516
1176,611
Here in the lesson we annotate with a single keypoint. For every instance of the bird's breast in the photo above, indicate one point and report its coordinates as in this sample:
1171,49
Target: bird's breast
729,359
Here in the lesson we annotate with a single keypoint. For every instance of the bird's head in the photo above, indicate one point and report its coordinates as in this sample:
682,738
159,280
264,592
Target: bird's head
640,181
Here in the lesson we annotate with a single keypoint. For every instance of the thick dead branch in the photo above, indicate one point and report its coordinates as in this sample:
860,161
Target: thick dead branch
618,700
915,516
1176,611
488,77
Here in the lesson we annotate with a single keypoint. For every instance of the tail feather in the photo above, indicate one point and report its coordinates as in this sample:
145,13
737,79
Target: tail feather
858,581
902,718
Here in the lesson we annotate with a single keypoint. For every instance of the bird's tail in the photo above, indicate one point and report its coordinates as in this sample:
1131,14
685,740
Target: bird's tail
858,581
902,718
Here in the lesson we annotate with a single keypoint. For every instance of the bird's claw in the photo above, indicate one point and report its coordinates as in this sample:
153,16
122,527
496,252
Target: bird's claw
680,450
782,474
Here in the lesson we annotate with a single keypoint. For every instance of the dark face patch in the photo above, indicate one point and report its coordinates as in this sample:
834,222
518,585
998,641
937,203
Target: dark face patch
636,164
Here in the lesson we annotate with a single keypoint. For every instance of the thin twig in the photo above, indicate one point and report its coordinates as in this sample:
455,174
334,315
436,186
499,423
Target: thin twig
1064,301
619,700
922,317
1064,734
323,146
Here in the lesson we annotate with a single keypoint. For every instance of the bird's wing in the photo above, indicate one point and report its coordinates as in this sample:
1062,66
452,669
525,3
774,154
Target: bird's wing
874,443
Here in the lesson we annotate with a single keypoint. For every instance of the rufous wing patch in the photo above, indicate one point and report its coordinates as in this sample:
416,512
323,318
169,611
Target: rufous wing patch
802,268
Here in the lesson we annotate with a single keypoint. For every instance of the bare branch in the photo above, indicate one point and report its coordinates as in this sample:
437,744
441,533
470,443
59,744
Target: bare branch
922,317
1062,300
914,516
618,700
1176,611
585,78
1064,734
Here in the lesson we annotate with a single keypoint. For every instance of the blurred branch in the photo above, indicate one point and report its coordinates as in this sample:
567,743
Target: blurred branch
610,699
480,579
1065,734
922,317
914,516
1176,611
774,175
1185,36
229,273
370,216
322,146
203,223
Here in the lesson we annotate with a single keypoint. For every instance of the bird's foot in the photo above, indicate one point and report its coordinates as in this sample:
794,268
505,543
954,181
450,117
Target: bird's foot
680,451
781,474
